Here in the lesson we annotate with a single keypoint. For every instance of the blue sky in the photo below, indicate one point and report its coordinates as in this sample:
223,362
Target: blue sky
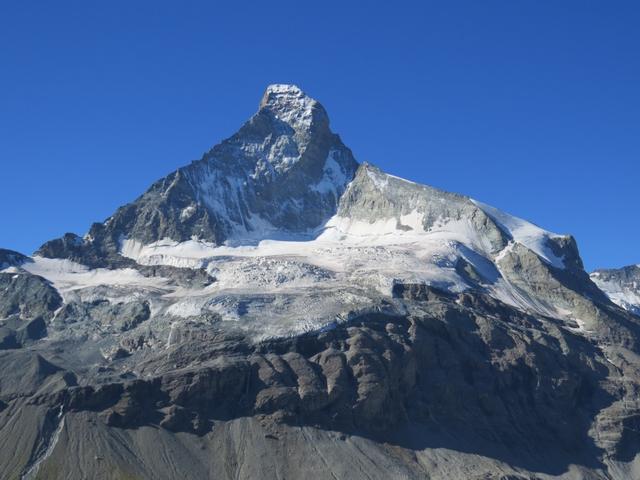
531,106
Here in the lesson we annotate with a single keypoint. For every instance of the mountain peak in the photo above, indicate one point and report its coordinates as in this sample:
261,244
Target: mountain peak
279,94
284,88
281,174
291,105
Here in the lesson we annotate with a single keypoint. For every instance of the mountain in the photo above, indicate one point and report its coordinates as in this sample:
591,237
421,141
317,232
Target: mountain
277,310
621,285
282,173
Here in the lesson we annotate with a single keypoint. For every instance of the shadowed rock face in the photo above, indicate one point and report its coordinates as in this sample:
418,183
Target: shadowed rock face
399,332
9,258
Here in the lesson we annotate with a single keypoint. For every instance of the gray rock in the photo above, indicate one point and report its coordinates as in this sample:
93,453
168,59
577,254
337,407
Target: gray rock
27,296
119,317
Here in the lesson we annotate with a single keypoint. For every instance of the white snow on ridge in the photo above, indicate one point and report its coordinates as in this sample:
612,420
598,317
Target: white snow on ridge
345,255
625,296
333,179
189,254
351,252
187,212
343,252
406,228
525,233
67,276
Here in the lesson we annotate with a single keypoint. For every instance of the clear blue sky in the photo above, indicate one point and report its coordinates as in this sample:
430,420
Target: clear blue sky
531,106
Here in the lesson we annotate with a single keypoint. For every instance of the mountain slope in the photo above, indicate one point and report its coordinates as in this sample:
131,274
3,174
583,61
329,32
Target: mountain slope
276,307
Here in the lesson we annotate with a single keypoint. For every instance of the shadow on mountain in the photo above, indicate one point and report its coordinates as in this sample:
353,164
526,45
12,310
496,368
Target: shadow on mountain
507,416
489,381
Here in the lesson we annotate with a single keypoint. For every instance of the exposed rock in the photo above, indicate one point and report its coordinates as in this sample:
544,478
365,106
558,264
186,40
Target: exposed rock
27,296
116,316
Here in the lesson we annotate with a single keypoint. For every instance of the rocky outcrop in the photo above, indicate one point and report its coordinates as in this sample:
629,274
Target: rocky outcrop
27,302
27,296
118,317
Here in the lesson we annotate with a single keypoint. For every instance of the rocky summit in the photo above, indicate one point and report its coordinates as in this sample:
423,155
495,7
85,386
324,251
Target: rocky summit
278,310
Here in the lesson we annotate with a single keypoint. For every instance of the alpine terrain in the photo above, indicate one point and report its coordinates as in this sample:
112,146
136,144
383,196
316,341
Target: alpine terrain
278,310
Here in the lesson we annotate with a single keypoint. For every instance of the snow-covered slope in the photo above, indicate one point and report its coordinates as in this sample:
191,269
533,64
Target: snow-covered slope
385,231
527,234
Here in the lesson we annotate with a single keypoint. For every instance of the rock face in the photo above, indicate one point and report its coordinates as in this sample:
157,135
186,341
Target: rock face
275,310
9,258
26,303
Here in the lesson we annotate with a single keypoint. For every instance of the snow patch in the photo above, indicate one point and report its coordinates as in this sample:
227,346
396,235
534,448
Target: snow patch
187,212
401,229
531,236
626,296
67,276
333,179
